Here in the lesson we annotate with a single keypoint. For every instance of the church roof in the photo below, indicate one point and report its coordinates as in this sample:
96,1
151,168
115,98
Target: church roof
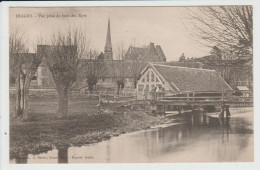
108,39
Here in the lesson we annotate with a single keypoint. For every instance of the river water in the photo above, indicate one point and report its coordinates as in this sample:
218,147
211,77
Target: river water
196,140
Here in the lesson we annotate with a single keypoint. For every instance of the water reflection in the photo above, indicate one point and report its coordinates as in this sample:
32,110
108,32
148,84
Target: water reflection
199,140
63,154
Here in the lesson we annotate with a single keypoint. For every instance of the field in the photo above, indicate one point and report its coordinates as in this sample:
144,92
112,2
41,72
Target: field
85,124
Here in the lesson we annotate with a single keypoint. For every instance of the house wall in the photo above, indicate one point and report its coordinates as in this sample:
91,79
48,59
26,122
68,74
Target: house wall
148,81
44,77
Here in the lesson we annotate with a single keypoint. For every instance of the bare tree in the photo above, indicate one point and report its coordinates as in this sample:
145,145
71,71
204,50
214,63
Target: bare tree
119,67
31,65
23,66
136,68
63,57
94,68
16,47
230,28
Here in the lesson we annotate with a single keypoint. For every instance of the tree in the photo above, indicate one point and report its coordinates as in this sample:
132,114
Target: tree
136,68
119,67
230,28
182,58
16,47
32,63
63,57
23,66
94,68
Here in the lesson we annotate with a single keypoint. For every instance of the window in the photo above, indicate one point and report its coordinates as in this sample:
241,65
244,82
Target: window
143,80
148,76
152,77
140,87
153,87
34,78
146,88
157,79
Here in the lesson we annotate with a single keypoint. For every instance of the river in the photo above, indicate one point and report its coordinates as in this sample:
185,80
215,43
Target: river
177,141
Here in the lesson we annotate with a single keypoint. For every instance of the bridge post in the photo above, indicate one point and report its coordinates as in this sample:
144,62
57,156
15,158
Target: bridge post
164,110
192,117
179,110
227,111
222,95
204,118
188,97
222,111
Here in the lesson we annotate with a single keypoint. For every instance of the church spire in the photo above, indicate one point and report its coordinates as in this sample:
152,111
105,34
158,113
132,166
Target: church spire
108,47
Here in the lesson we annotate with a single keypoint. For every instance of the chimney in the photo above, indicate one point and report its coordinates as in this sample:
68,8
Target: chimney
151,44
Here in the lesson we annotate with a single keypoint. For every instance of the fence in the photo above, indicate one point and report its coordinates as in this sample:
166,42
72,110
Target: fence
115,97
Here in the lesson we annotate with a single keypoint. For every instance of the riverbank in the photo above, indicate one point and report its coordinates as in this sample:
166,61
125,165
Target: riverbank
85,124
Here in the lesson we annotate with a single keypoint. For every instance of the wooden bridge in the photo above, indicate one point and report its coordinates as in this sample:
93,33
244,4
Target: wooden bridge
198,100
165,101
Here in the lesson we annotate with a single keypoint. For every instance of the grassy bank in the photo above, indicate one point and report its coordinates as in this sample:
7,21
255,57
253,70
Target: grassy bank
84,125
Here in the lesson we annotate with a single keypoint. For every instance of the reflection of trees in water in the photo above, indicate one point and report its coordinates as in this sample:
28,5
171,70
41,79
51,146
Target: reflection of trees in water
108,150
171,138
175,138
241,126
22,160
62,154
223,143
234,139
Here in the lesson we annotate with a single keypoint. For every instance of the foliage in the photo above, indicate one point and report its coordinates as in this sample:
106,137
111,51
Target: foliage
23,66
63,57
182,58
228,27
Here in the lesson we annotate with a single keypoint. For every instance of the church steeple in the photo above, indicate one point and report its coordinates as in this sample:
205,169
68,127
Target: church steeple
108,53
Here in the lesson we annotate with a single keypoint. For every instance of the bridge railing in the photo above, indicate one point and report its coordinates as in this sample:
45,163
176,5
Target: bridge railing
190,97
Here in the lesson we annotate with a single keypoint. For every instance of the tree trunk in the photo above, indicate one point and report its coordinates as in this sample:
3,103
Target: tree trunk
18,95
26,88
63,100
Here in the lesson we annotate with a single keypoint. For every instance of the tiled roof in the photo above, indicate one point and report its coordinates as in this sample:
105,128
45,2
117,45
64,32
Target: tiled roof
148,53
182,64
160,53
113,68
192,79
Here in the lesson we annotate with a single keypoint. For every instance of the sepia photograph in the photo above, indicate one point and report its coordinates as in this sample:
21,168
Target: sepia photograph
131,84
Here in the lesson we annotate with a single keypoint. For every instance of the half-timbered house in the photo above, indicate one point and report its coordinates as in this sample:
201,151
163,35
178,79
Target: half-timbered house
179,80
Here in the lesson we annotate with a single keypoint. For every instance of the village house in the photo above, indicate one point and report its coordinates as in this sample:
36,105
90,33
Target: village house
179,80
129,69
108,70
150,53
243,90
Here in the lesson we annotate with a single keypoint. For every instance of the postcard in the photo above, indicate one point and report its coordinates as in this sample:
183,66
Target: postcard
130,83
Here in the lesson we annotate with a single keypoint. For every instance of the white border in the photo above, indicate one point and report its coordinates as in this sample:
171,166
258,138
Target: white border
4,87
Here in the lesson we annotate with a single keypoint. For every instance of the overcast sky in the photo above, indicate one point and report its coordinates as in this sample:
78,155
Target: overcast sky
129,25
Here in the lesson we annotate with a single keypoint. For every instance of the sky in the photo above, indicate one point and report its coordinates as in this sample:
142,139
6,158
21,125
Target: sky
137,26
